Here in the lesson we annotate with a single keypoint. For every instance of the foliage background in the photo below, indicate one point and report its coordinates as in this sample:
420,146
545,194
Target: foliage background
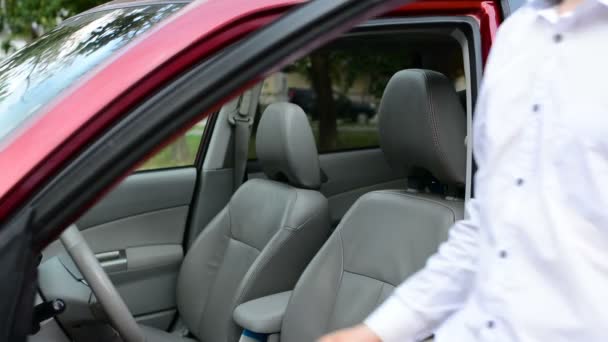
24,20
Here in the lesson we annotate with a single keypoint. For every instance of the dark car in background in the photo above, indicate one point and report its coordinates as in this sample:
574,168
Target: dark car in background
346,109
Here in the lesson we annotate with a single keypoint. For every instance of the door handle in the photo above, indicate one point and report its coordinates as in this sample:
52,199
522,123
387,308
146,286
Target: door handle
114,261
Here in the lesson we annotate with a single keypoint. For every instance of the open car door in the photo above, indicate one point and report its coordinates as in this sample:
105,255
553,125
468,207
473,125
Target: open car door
107,152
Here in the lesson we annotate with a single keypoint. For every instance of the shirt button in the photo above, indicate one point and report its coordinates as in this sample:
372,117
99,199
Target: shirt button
503,254
536,108
519,182
490,324
558,38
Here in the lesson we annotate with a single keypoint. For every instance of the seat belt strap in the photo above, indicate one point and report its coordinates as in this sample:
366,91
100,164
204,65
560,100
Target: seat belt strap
241,149
241,123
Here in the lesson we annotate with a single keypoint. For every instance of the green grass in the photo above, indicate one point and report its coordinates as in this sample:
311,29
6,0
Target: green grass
354,140
181,152
347,140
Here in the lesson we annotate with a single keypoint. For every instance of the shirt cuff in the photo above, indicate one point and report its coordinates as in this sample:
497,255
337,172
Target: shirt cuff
394,321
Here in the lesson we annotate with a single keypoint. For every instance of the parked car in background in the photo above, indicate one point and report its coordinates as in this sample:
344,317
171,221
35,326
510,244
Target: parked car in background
346,109
306,99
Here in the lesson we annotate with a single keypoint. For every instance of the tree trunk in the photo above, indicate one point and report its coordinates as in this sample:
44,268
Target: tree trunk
6,29
325,106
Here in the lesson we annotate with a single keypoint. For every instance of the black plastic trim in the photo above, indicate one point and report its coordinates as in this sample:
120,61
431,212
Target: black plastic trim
160,169
18,271
203,146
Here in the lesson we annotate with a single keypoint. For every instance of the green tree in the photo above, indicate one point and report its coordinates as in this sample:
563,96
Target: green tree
338,69
28,19
321,67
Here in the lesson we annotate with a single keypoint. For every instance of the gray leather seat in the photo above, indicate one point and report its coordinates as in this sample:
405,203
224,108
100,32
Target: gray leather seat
387,235
260,243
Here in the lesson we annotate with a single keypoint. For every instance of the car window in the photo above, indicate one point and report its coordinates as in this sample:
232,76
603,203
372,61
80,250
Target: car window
38,73
182,152
340,87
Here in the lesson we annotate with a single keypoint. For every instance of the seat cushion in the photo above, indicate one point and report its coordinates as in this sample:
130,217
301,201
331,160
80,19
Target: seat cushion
157,335
384,238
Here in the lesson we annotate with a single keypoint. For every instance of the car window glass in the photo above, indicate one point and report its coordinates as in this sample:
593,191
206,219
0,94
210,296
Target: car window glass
340,86
36,74
181,152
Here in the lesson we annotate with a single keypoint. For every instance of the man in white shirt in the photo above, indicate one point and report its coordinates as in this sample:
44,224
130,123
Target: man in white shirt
531,261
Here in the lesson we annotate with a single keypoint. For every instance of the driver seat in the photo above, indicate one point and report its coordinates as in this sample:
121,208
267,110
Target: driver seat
388,235
260,243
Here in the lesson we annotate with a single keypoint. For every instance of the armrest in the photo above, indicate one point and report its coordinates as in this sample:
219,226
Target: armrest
263,315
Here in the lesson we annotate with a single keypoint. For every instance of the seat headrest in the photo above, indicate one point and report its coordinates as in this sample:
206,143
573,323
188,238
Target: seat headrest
422,124
286,146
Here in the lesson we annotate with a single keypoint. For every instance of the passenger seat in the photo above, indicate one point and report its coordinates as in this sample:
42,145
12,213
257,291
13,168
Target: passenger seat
387,235
260,243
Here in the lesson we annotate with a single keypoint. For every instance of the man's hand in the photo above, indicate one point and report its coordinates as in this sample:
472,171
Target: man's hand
359,333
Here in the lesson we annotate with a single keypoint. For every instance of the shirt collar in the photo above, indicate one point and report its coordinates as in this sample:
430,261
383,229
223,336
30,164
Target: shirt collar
542,4
546,8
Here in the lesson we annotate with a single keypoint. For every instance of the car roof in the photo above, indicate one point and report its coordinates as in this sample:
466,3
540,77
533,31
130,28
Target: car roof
508,6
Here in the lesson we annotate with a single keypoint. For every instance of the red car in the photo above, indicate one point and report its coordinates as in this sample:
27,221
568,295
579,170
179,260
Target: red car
107,232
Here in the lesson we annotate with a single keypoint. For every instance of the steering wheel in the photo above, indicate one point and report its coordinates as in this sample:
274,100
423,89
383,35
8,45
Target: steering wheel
120,317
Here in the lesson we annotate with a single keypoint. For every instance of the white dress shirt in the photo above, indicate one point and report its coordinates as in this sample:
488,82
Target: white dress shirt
531,261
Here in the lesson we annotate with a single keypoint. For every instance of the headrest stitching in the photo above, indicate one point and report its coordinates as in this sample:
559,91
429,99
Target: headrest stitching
284,148
434,126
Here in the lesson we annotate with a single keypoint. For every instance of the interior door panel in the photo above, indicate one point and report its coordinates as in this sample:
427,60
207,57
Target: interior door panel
139,194
137,232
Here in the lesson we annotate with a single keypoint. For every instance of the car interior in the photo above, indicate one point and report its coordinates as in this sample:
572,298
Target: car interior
332,213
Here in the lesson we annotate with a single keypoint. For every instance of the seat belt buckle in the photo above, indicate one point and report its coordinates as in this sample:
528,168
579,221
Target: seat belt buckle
240,118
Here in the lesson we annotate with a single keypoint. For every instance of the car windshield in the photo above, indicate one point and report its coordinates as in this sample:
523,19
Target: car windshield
36,74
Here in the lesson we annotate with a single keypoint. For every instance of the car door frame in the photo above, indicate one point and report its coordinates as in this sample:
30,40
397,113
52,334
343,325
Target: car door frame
109,155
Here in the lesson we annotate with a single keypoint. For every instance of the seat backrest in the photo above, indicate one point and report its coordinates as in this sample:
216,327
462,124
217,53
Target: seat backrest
260,243
387,235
